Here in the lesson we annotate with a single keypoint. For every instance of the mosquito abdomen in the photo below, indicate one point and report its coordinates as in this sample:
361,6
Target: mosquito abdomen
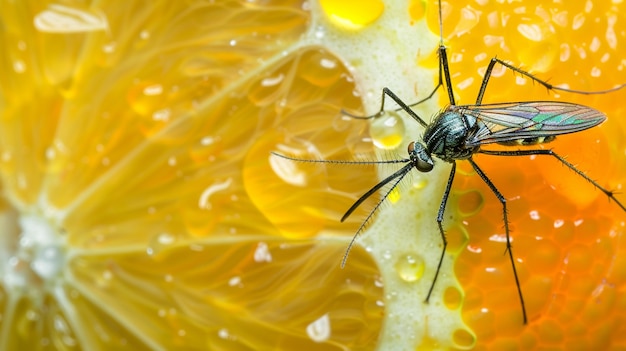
528,141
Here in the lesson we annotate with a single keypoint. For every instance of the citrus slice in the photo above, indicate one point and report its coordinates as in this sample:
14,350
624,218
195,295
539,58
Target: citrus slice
142,208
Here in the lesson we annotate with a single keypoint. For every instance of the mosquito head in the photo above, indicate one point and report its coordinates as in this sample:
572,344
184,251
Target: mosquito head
420,157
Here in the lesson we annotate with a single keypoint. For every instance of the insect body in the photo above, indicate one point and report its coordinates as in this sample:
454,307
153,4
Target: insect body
461,131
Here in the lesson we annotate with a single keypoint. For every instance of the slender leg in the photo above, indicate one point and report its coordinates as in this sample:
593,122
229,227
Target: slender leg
506,230
607,192
403,106
547,85
442,208
443,68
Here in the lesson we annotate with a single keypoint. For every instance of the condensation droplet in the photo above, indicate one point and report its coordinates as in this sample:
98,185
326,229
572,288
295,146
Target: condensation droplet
465,83
327,63
272,81
595,72
223,333
480,57
203,202
152,90
611,37
387,131
65,19
499,238
530,31
534,214
166,239
319,330
234,281
565,52
109,48
262,253
387,254
595,44
578,21
605,57
19,66
491,40
161,115
410,267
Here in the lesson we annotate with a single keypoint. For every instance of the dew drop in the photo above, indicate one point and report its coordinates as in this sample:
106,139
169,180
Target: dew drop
319,330
19,66
534,214
262,253
387,131
410,267
558,223
596,72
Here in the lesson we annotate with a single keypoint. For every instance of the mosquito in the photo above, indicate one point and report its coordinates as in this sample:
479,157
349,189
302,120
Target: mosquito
459,132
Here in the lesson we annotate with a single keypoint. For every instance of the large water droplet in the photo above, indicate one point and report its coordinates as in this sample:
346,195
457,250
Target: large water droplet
387,131
410,267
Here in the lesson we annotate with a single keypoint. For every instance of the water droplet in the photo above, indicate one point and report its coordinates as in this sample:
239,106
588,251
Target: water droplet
558,223
165,239
410,267
161,115
223,333
19,66
387,254
235,281
319,330
152,90
387,131
66,19
203,202
272,81
534,215
262,253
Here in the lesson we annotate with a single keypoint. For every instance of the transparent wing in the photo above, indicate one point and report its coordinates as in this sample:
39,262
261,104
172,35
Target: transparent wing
507,122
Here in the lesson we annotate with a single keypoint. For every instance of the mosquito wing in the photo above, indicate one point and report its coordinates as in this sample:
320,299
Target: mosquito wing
509,122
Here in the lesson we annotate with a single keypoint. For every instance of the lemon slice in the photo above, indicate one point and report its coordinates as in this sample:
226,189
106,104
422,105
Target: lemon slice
142,208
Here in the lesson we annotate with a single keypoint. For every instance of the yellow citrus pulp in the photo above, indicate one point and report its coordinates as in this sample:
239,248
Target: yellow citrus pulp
142,208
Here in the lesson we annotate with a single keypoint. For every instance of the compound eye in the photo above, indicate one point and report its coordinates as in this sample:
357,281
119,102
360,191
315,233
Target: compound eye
411,147
424,165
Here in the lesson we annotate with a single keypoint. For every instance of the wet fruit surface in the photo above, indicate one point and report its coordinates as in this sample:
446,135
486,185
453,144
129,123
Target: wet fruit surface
140,198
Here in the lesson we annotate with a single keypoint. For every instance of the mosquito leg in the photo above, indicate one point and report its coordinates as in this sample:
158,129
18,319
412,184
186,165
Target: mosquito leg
506,230
442,208
547,85
402,104
607,192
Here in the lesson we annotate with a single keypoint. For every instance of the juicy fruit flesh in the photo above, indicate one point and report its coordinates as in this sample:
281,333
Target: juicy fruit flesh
141,200
566,235
135,162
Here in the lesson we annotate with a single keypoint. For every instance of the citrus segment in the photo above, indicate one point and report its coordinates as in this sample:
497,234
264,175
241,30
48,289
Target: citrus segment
130,222
565,234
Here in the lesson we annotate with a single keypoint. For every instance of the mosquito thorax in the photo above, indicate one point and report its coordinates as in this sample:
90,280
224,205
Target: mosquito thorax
420,157
445,136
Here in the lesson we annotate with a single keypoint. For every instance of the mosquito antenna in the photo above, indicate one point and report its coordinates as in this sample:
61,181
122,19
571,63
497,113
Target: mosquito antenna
400,174
440,25
340,162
